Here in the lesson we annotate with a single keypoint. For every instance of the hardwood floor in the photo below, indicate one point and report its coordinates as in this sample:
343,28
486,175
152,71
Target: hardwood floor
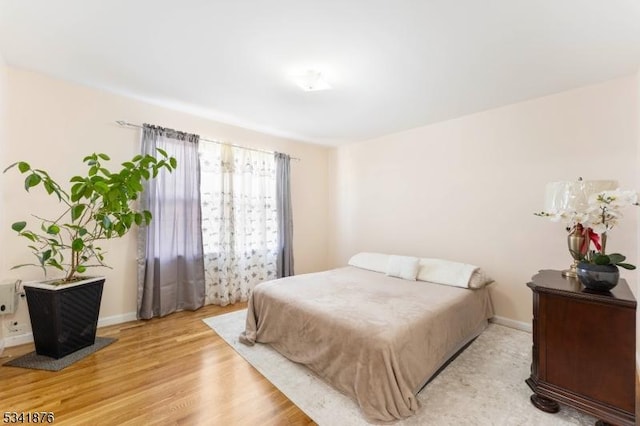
167,371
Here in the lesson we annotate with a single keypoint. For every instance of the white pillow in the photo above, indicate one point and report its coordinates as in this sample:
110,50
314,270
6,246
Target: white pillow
371,261
452,273
404,267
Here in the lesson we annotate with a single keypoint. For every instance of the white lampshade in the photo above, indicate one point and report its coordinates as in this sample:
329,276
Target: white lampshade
574,195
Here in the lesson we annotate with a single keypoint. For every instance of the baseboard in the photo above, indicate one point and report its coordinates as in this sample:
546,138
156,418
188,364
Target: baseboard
518,325
25,338
20,339
117,319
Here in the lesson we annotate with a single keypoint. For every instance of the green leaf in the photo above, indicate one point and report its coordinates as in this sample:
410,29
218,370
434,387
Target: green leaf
601,259
105,172
55,264
137,158
23,265
77,244
135,185
173,162
137,218
76,191
82,232
31,181
18,226
9,167
53,230
46,255
104,157
128,165
48,186
29,235
93,170
127,220
77,179
106,222
23,167
101,187
162,152
81,268
120,229
616,258
147,216
626,266
76,211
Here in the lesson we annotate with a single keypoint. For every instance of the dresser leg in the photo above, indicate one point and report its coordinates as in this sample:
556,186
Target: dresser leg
545,404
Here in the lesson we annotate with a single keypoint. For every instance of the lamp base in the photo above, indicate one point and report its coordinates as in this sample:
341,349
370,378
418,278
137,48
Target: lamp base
575,242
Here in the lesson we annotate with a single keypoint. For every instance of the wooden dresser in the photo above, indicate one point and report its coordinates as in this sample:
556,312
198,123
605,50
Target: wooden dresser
583,348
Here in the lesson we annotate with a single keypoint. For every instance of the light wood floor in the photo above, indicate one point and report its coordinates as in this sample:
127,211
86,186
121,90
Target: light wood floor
168,371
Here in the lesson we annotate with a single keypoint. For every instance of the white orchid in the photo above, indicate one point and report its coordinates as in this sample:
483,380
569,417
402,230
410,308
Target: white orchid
570,218
601,214
603,211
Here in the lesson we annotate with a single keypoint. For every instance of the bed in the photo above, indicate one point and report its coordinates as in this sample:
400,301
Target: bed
374,337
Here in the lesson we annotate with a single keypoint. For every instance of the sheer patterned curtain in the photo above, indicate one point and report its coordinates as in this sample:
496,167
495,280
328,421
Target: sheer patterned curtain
170,259
239,221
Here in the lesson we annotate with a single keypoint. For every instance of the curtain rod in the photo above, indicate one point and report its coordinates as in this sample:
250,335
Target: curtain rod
127,124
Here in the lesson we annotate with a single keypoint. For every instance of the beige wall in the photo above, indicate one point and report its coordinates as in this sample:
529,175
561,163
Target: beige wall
53,124
466,189
637,292
3,127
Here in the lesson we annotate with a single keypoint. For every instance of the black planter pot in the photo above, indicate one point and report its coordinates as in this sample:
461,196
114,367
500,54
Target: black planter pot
64,318
598,277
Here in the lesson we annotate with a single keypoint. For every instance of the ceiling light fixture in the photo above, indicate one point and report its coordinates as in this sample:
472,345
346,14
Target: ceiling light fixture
311,81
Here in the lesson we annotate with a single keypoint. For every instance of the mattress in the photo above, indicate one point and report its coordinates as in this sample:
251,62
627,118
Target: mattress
377,339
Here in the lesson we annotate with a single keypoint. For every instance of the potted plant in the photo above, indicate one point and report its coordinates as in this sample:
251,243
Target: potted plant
99,205
596,269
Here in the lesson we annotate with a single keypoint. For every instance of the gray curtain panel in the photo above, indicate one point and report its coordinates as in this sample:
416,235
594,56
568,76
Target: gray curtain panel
285,216
170,255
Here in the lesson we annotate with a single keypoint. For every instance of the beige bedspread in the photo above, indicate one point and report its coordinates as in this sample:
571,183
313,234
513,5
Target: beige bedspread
373,337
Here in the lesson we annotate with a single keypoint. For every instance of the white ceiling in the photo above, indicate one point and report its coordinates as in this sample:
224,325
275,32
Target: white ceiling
393,65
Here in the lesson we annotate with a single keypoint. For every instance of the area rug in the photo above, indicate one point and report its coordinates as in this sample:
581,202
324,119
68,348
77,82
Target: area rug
41,362
484,385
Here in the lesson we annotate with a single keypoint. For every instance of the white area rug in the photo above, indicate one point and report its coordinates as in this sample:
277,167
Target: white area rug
484,385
